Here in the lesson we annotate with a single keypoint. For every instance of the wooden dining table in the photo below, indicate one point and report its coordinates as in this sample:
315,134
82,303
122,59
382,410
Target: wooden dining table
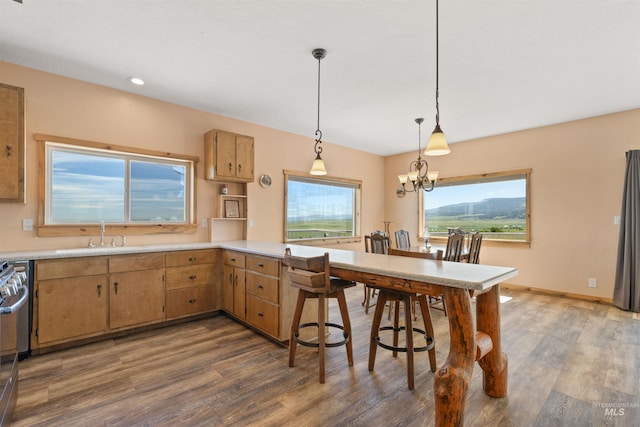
431,252
469,342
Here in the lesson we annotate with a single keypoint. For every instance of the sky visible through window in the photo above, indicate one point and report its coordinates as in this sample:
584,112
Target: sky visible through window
309,200
88,188
453,194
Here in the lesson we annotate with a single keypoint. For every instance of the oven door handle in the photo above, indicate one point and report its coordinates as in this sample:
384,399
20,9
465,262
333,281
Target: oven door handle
18,304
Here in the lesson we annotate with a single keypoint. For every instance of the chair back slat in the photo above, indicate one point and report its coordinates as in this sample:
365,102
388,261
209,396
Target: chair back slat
455,247
474,248
312,272
402,239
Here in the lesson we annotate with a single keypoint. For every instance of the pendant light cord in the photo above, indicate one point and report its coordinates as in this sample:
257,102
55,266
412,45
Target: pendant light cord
437,69
318,131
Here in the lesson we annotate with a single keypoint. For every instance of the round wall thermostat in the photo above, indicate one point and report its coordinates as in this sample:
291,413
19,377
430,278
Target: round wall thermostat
265,181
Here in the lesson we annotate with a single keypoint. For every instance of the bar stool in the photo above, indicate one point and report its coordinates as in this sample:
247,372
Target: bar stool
311,277
406,298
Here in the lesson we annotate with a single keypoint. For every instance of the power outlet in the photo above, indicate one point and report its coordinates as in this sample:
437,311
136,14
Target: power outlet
204,223
593,283
27,224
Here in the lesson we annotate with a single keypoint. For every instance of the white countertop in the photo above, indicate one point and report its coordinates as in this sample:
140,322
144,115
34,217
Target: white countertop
455,274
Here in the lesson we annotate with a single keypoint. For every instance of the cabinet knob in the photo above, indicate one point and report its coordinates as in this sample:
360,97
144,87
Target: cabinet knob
260,286
261,314
261,265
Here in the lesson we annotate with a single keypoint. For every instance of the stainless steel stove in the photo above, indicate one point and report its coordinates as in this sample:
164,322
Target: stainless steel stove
14,294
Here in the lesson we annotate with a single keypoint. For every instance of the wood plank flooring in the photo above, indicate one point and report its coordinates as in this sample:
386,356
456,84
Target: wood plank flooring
571,363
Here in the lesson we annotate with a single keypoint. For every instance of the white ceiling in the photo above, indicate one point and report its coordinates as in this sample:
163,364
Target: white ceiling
505,65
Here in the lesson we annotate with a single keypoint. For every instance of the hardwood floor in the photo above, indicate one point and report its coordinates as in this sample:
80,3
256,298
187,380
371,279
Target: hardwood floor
571,363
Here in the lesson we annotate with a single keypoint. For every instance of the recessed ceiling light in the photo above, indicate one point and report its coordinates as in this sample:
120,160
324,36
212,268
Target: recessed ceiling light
136,81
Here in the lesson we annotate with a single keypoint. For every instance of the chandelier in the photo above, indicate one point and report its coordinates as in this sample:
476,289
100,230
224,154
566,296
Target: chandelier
419,177
318,167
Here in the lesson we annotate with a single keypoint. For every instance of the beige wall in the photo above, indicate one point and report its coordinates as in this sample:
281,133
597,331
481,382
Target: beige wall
578,169
65,107
576,190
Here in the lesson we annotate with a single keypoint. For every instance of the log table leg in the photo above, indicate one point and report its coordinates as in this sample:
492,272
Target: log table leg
452,379
495,364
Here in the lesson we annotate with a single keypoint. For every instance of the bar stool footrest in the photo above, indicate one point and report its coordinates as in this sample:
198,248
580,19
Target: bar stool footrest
429,340
300,341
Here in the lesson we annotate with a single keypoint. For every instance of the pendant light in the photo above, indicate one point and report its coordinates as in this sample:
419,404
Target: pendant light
318,167
437,145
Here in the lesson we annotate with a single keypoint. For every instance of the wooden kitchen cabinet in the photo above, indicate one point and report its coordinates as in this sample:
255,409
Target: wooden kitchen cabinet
233,284
262,293
12,142
70,300
228,156
77,299
191,280
136,290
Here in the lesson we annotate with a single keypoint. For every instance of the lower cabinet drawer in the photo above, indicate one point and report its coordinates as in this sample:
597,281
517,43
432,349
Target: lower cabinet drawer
263,286
263,315
186,301
191,275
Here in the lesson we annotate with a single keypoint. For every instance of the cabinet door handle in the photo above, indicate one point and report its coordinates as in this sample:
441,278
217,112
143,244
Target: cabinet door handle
192,301
192,259
99,288
261,265
233,260
260,286
115,287
239,168
193,277
230,167
9,150
261,314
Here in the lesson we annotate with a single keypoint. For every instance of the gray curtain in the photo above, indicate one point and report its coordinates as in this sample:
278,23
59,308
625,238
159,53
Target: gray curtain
626,293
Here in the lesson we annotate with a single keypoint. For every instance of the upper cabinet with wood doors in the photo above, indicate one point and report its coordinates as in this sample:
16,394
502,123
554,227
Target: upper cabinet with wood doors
11,143
228,156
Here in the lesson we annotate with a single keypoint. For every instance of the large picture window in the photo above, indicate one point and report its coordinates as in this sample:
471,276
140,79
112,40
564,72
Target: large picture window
495,204
88,183
321,208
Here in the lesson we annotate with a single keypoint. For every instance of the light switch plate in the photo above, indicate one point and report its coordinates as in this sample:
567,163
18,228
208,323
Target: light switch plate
27,224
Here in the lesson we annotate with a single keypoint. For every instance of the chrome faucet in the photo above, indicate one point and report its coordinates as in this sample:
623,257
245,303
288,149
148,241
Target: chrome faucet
101,233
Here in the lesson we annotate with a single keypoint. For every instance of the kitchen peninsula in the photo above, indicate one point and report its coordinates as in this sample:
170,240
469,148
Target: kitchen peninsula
453,280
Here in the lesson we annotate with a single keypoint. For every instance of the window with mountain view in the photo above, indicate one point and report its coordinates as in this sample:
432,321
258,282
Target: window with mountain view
320,208
495,204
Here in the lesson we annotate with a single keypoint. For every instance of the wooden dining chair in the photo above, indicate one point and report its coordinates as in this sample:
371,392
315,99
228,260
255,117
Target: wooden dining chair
377,243
474,248
402,239
453,252
409,301
311,277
